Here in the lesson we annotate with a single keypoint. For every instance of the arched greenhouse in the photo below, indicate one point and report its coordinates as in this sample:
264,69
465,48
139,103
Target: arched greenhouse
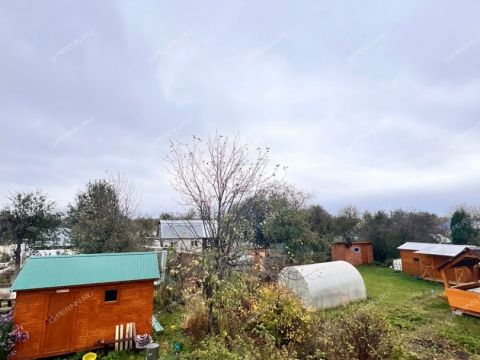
325,285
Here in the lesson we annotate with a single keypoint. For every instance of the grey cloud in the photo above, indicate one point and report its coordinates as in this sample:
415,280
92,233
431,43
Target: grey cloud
352,132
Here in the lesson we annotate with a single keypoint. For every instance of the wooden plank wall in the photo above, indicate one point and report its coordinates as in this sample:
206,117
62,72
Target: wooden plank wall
410,262
94,320
30,312
367,251
341,252
464,300
425,266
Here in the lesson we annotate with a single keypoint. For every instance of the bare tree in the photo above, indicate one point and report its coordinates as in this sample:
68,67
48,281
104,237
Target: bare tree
128,199
214,177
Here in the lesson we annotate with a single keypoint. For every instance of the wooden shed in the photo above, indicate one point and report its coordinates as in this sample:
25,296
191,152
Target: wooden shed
74,303
423,260
463,297
356,253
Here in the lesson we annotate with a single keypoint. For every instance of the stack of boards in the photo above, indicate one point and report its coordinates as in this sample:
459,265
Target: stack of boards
125,341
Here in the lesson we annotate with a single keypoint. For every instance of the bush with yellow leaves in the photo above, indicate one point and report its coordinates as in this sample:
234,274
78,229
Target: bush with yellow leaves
236,348
258,321
360,333
280,314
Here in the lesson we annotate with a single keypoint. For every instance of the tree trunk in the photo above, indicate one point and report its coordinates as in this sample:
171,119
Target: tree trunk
18,257
209,292
211,319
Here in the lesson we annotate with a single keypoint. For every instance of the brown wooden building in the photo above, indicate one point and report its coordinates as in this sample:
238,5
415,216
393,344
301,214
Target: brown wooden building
464,297
74,303
423,260
358,253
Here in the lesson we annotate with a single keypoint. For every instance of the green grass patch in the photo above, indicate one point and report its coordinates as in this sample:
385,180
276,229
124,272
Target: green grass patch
420,312
173,333
469,341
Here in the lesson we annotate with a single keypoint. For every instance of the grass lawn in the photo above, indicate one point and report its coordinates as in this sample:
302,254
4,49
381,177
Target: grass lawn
420,312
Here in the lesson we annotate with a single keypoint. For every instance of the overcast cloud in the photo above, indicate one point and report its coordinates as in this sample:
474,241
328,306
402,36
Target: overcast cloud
371,103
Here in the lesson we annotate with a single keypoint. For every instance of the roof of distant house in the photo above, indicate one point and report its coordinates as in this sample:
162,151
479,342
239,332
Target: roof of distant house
353,243
183,229
41,272
441,239
434,249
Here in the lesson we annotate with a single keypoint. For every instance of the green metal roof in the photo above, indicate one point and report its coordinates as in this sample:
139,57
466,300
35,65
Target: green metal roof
40,272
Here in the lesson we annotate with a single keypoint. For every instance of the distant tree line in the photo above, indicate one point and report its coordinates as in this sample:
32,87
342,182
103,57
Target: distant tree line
307,231
103,218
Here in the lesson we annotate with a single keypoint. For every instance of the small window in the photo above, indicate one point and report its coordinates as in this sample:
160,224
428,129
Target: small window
416,259
111,295
356,249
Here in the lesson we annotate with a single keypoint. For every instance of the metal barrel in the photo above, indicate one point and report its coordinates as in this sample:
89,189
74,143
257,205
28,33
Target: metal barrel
152,351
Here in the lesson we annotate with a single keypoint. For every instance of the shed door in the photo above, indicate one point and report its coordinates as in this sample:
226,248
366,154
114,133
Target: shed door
59,322
365,252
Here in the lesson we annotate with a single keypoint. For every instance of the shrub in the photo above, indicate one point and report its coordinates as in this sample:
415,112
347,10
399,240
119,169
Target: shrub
268,318
214,348
168,297
359,333
233,304
269,322
281,315
237,348
10,335
195,320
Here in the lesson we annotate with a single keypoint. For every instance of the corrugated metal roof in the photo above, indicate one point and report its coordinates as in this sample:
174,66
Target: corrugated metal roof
433,249
413,246
353,243
468,257
41,272
183,229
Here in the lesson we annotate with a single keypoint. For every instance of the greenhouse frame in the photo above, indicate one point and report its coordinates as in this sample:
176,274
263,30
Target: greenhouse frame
325,285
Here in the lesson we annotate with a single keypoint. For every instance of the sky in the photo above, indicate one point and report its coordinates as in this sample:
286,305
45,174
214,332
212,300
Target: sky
372,103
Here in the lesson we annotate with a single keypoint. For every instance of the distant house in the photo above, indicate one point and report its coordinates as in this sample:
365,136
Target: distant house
356,253
185,236
441,239
423,260
74,303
